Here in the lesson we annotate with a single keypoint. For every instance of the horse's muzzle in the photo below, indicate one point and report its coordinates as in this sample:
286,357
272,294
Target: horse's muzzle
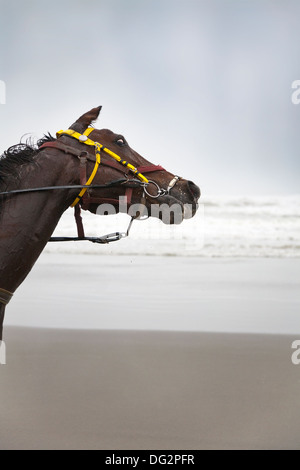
190,209
194,190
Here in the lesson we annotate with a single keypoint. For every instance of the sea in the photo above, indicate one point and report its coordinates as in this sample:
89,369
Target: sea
240,226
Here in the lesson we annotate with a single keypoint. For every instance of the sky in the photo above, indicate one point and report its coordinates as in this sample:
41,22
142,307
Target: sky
202,87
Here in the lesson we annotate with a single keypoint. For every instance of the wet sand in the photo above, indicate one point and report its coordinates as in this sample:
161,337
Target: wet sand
165,353
253,295
72,389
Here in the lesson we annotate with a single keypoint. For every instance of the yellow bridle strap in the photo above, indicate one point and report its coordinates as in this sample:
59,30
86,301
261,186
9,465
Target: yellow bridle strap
78,136
91,178
84,139
128,165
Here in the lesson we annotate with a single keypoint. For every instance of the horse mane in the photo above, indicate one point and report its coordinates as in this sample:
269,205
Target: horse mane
20,154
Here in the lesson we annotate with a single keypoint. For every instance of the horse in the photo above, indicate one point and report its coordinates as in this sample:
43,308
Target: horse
83,167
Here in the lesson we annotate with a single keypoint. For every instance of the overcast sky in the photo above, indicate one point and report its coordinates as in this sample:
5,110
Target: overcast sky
202,87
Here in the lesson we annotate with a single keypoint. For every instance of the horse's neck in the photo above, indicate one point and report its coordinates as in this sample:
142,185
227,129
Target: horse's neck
27,223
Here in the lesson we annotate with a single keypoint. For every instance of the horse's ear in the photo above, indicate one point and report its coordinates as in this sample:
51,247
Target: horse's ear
86,120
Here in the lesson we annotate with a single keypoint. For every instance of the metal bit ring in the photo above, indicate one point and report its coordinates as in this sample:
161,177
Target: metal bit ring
160,192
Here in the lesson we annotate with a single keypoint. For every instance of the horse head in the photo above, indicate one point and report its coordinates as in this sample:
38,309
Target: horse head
38,185
148,188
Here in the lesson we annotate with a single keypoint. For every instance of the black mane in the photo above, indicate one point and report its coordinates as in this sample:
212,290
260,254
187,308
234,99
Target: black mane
20,154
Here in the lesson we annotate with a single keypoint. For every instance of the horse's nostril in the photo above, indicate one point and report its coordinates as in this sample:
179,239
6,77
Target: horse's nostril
195,190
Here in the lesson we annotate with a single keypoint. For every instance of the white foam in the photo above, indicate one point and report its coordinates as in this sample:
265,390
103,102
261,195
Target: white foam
223,226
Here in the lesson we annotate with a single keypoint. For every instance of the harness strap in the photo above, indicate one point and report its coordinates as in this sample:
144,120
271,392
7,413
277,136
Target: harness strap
150,168
91,178
77,208
83,159
83,138
82,197
79,223
5,296
60,146
67,149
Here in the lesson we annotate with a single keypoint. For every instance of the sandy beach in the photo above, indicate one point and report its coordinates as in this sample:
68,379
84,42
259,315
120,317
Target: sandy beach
148,390
196,358
85,291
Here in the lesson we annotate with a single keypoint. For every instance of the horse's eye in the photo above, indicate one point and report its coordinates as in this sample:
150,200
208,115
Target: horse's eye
121,141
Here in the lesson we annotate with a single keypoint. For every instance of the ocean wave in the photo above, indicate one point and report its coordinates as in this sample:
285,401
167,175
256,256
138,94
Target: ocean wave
235,227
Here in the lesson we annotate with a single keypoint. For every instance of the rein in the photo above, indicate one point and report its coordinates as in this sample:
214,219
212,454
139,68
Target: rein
139,180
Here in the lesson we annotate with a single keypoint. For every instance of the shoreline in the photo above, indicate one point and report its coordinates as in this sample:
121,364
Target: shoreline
160,293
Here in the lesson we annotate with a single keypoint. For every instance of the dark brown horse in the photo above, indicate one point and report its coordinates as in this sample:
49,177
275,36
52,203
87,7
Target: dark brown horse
66,172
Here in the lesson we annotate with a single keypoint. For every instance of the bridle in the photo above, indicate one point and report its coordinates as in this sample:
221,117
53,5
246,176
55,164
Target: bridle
138,173
83,200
